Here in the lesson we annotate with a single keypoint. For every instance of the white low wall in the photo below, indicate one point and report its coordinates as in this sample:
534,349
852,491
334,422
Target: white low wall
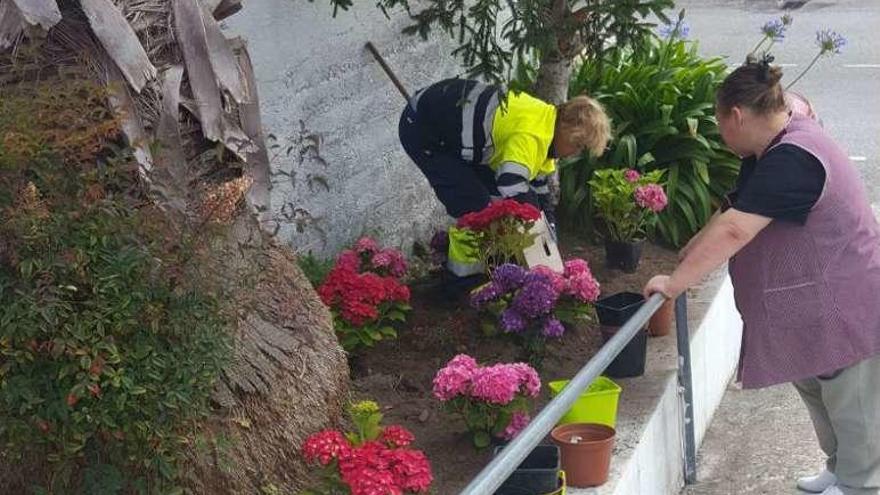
655,465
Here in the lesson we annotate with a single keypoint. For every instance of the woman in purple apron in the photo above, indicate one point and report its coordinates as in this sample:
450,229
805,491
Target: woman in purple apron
803,247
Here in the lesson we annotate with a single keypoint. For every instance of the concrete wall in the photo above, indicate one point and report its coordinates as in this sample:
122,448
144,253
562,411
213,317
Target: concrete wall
340,171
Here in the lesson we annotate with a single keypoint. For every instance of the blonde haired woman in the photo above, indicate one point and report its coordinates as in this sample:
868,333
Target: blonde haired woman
473,144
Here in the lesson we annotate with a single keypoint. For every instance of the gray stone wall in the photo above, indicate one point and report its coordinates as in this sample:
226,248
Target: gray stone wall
338,168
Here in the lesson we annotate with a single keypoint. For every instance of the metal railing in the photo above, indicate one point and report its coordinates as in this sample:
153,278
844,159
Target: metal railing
497,471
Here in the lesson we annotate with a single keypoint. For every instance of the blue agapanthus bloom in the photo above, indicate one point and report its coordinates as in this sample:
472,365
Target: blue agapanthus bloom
672,30
829,41
775,29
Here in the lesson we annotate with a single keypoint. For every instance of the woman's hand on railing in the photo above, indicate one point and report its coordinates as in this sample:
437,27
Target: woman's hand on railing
659,284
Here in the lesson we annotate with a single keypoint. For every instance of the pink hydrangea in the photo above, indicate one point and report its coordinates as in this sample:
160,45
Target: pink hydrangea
496,384
575,266
528,379
392,260
651,197
584,287
518,421
464,361
366,245
632,175
556,280
455,378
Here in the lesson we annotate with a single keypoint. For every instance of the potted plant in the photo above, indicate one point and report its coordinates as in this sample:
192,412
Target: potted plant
366,294
536,304
628,203
371,459
493,400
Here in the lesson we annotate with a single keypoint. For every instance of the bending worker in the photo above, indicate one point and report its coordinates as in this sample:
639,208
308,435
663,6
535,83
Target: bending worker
804,251
472,148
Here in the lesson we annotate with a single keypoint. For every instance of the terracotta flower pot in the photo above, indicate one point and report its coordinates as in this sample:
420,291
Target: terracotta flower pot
585,449
661,323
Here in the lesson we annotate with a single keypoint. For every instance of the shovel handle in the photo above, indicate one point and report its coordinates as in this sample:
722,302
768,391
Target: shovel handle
388,71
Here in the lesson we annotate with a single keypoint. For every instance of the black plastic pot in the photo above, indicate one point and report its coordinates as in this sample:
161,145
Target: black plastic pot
616,309
623,255
631,360
613,311
537,474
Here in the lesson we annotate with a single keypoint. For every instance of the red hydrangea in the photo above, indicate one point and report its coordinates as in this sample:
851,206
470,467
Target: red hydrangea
325,446
357,295
397,436
374,469
497,210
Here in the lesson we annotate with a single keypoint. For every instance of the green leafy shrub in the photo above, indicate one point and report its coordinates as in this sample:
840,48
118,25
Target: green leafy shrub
661,100
113,328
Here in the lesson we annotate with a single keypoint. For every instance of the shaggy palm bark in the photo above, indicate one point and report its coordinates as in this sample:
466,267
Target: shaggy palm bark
190,110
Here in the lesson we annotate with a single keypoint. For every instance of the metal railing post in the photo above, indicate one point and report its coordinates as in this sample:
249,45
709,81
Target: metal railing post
506,462
686,389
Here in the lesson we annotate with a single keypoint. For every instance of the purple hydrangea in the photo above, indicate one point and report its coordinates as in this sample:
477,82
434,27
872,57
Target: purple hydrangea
484,295
553,328
537,297
512,321
508,277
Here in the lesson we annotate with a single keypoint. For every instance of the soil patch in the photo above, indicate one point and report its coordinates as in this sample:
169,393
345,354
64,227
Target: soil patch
398,374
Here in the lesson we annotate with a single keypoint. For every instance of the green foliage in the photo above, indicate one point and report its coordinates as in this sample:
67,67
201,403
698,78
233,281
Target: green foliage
492,36
367,421
356,337
614,198
661,101
112,331
315,269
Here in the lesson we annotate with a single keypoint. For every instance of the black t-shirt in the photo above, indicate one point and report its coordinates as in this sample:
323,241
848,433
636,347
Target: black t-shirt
784,184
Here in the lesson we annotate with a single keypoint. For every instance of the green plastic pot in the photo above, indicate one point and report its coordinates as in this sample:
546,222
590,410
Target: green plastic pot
598,404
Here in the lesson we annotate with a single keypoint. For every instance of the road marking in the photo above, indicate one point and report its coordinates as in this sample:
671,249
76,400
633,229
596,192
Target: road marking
787,65
859,158
862,66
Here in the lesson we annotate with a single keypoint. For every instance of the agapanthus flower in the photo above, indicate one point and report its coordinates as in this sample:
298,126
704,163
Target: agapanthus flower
774,29
674,30
553,328
651,196
829,41
326,446
518,421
